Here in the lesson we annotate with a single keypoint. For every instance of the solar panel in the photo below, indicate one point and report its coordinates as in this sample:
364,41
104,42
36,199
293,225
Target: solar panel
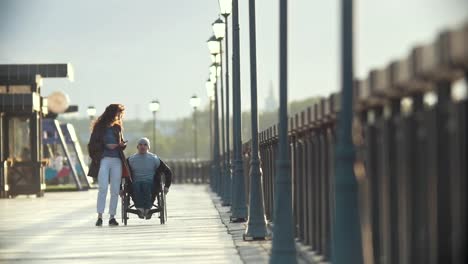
21,71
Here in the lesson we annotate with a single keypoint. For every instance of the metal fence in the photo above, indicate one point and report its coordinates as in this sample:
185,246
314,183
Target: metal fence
410,137
190,171
409,132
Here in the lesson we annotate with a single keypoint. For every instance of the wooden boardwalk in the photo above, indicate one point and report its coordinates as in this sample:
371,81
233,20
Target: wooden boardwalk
59,228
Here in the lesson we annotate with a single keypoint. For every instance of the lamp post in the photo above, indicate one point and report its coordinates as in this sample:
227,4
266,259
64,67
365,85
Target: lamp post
214,76
213,46
225,7
210,85
238,205
346,240
283,249
219,32
154,108
256,227
91,111
195,103
210,93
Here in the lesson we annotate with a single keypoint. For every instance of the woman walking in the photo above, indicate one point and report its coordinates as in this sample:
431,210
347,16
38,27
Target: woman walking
105,149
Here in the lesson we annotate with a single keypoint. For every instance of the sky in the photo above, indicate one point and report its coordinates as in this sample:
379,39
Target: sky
132,52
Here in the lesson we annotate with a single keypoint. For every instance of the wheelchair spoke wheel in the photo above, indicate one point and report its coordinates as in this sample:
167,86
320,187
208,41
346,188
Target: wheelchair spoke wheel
124,209
163,209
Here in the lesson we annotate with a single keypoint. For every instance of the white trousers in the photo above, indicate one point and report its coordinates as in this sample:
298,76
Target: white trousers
110,171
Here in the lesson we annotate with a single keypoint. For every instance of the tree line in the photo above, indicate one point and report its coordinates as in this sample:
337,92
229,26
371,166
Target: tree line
175,138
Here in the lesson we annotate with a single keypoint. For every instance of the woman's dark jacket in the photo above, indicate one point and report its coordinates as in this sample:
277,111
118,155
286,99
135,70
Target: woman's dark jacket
96,148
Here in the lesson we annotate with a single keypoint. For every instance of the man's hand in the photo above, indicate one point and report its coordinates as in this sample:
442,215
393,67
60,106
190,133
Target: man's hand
166,190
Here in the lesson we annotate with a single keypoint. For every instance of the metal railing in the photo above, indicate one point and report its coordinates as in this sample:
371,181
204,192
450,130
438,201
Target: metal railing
410,137
190,171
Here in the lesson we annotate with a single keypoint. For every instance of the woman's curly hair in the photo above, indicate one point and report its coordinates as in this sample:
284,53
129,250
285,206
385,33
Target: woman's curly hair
110,117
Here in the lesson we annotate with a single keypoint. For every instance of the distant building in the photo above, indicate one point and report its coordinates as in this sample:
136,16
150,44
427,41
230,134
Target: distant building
270,101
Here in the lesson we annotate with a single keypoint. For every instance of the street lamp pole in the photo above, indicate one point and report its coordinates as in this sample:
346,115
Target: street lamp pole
256,228
346,240
217,169
219,32
210,86
225,10
213,46
154,107
91,111
195,132
154,128
210,93
195,103
238,206
283,249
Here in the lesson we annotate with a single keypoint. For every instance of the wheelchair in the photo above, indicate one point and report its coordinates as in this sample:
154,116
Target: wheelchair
128,204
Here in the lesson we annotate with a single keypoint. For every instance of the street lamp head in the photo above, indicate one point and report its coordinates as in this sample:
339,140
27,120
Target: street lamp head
218,29
213,45
216,58
225,7
154,106
91,111
195,101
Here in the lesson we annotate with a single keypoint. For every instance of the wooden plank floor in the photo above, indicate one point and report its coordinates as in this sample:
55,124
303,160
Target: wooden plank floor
59,228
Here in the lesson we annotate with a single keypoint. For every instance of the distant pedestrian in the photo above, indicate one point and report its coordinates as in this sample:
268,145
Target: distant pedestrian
105,148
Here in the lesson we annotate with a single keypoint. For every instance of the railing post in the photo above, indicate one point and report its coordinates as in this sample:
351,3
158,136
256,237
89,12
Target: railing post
330,135
316,180
445,131
459,186
292,136
301,176
309,177
305,176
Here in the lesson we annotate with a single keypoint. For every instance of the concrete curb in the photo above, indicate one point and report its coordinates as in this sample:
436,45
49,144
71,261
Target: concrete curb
257,251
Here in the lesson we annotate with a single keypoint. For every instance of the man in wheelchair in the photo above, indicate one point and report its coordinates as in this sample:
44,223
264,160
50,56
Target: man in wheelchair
146,170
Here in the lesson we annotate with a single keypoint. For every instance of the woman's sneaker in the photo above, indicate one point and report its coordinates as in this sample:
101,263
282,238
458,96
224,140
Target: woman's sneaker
113,222
99,222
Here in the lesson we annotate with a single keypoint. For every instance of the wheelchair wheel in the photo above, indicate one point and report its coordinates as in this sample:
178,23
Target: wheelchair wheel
125,202
163,208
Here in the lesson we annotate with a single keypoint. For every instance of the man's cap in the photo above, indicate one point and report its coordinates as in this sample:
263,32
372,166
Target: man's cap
144,141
